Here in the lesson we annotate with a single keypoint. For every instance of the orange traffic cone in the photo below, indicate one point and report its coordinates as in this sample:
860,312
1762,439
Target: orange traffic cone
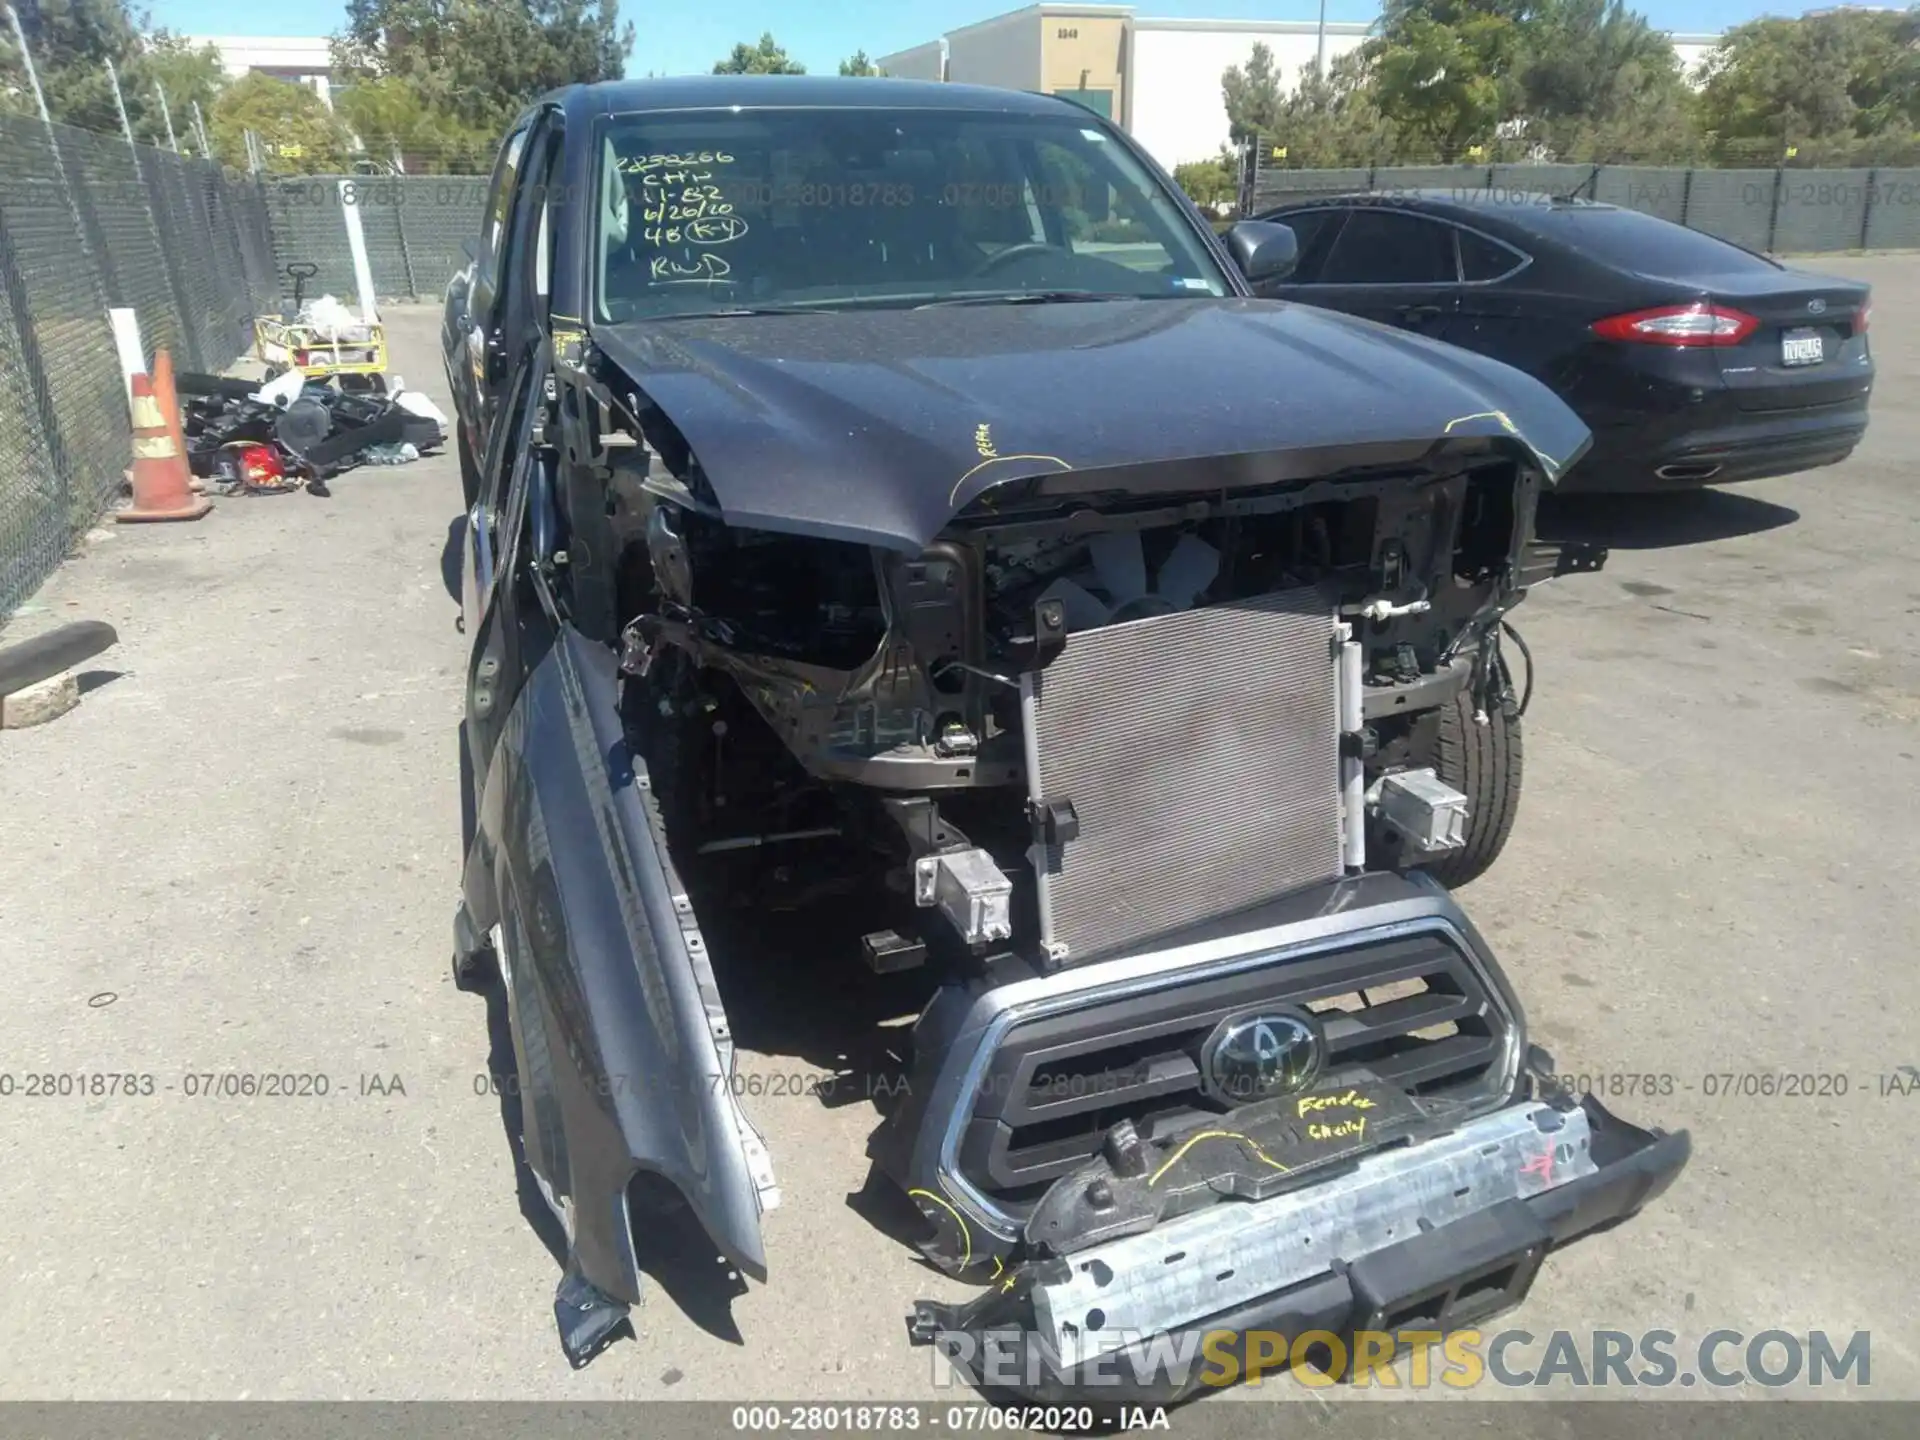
168,397
162,488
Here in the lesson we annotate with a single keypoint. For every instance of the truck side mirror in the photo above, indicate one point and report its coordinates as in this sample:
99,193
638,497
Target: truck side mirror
1264,251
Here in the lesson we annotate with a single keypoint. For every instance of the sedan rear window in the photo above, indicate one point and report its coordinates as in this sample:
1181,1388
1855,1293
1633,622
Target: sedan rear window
1482,259
1644,244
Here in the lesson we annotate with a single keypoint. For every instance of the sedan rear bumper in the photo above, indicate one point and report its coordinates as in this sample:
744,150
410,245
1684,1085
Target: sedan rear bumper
1105,1325
1730,446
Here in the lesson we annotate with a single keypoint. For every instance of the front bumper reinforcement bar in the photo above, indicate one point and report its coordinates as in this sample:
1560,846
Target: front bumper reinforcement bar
1428,1237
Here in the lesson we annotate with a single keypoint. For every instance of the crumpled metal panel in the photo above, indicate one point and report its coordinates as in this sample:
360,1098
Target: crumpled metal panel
1200,751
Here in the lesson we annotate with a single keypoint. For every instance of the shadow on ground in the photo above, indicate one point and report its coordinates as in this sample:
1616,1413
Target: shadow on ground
800,988
1658,522
450,556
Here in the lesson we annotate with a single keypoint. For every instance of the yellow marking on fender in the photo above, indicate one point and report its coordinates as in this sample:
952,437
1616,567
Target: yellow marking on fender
966,1235
1194,1140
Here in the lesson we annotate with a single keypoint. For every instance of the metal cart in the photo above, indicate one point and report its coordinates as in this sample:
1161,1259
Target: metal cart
283,342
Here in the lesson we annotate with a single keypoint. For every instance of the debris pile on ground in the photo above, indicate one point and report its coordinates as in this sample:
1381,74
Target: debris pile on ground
299,431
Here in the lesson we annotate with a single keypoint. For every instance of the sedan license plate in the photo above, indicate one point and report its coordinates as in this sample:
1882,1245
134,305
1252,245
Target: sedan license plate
1802,347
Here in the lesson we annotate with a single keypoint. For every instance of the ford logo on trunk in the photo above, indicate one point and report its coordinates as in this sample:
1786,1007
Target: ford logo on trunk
1257,1056
1816,307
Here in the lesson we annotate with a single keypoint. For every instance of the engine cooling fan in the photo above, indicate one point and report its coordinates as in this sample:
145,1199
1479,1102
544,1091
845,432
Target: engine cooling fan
1116,590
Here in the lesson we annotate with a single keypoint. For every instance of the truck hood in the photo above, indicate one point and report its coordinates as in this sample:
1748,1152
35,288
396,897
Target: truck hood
878,426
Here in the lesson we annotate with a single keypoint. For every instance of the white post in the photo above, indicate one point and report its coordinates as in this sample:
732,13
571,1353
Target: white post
357,242
26,61
200,129
125,324
120,105
166,114
1320,44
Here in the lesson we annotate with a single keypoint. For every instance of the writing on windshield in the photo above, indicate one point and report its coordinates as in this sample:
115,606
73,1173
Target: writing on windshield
682,204
814,208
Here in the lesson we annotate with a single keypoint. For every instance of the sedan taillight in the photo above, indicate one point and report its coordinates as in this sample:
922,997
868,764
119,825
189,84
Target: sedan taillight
1860,320
1684,325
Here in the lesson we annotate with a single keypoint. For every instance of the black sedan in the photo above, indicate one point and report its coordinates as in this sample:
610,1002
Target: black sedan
1692,360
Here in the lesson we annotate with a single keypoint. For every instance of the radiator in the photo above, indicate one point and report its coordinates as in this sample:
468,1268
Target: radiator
1200,753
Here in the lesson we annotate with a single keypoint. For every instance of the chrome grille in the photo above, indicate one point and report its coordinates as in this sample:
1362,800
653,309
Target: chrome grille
1200,752
1414,1011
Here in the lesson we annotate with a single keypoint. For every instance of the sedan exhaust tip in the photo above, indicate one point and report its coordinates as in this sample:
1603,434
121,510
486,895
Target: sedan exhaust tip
1687,472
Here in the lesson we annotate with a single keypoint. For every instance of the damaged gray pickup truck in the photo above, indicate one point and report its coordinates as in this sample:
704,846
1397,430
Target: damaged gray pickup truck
894,522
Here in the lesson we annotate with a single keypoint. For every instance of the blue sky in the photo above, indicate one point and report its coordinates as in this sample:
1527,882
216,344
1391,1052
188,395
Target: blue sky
690,37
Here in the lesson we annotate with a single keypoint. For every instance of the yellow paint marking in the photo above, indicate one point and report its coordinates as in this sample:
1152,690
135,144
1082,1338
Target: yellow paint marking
966,1235
1194,1140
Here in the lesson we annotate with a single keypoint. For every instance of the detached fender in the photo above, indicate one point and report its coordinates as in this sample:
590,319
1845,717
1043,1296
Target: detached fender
601,952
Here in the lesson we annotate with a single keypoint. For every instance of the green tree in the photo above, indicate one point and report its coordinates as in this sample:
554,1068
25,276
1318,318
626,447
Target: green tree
299,135
1597,82
475,64
190,75
1253,95
390,115
71,42
858,64
1443,72
1210,183
766,58
1840,83
1331,120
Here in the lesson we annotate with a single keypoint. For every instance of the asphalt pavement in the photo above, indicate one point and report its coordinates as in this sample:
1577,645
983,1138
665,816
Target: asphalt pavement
239,856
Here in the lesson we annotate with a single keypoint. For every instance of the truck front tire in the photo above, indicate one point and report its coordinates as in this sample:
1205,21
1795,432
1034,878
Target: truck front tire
1484,763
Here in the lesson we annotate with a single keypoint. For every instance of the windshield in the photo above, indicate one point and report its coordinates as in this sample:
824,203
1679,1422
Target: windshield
822,209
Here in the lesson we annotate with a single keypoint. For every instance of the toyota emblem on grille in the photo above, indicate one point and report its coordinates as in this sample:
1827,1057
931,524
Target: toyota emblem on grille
1257,1056
1816,307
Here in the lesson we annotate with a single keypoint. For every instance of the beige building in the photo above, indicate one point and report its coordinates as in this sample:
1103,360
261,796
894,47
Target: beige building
1076,50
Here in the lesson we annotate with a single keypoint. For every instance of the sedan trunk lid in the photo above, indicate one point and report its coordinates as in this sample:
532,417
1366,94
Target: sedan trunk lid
1810,346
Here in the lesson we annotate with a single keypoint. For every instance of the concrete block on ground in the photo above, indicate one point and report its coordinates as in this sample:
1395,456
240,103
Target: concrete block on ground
37,704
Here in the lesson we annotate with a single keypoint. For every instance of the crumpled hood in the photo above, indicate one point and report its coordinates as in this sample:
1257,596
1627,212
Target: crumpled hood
879,425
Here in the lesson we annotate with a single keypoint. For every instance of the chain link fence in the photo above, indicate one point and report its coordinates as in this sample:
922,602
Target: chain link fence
87,223
414,226
1784,211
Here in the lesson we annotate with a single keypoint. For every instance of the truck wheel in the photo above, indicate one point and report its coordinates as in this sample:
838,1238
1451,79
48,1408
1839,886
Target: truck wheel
1482,762
469,467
